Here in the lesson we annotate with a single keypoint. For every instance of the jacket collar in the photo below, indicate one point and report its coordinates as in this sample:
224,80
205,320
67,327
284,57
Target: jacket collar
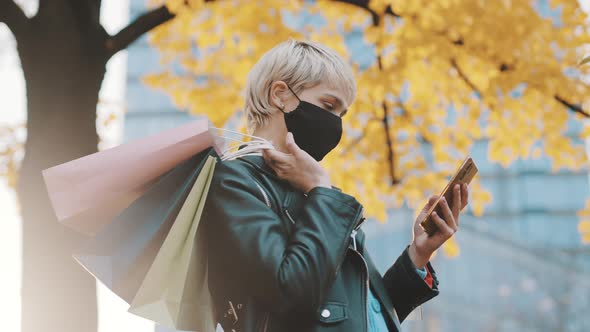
259,163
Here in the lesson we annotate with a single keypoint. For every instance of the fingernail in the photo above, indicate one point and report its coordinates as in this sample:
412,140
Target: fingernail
456,187
434,213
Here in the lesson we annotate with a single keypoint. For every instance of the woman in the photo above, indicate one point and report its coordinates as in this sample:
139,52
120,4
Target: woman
286,251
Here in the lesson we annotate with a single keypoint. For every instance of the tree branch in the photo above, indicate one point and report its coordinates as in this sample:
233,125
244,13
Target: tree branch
13,16
469,83
406,114
364,4
571,107
464,77
506,67
503,67
137,28
390,147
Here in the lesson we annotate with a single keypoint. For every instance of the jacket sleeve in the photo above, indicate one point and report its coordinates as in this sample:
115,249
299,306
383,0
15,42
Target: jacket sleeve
287,273
406,288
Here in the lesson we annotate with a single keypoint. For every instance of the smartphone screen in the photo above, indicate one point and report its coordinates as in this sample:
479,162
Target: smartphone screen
464,174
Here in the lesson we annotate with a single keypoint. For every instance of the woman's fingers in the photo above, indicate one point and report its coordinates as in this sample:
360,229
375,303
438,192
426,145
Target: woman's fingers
426,207
443,227
268,157
464,196
271,159
296,166
283,164
274,158
292,147
431,201
448,214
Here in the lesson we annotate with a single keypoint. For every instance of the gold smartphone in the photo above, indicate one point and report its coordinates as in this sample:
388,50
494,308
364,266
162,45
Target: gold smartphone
464,174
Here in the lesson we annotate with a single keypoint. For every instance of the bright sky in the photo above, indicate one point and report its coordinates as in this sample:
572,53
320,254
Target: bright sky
113,316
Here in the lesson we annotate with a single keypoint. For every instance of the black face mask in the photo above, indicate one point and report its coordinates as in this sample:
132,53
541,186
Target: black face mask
315,130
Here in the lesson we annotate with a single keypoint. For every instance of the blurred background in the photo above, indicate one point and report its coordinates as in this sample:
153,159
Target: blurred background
498,80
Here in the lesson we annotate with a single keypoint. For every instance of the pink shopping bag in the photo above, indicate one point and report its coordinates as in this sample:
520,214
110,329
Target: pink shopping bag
89,192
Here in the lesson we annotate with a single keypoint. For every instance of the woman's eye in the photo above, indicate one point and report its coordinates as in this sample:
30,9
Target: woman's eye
330,106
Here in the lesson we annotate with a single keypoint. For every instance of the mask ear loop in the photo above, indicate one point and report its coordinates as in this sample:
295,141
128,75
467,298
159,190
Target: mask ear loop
293,92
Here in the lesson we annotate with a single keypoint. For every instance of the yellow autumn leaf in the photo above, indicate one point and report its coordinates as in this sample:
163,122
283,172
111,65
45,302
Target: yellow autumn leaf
584,226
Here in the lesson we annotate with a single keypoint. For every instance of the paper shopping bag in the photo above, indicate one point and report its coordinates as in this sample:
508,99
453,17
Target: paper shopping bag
88,192
121,254
175,291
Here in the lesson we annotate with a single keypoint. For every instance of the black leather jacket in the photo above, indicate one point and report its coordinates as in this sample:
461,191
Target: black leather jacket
280,260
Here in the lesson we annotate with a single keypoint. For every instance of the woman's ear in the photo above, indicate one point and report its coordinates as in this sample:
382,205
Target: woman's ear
278,94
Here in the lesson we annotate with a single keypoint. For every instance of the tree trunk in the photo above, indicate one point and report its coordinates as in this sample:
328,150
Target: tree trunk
63,51
64,68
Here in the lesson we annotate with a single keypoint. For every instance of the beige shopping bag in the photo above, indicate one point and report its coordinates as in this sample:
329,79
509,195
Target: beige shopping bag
175,292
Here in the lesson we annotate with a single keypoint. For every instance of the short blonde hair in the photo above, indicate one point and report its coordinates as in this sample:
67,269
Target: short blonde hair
300,64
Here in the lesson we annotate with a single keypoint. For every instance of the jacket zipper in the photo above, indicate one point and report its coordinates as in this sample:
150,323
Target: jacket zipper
361,219
288,215
266,200
358,217
366,276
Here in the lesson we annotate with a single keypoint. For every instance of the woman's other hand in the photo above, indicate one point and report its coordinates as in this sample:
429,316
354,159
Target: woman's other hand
424,245
297,166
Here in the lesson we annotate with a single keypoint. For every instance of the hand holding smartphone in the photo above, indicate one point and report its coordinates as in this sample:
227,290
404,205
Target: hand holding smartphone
464,174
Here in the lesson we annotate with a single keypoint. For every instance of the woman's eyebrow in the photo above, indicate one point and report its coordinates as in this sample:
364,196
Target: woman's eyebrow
338,101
